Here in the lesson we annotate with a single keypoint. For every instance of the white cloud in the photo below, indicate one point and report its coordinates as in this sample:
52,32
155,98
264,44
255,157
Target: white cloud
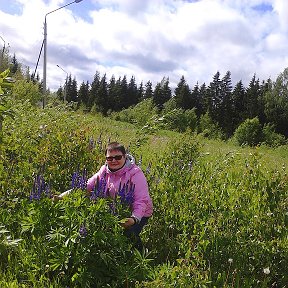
152,39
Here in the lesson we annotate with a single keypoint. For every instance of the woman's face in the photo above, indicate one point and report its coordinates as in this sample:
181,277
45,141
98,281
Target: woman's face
115,159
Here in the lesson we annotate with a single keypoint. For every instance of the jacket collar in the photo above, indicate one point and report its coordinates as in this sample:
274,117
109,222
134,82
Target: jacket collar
122,170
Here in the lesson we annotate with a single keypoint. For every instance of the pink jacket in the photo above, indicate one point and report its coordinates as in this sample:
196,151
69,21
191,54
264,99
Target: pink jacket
142,205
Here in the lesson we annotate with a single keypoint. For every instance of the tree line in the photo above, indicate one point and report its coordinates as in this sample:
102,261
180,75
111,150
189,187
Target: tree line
228,106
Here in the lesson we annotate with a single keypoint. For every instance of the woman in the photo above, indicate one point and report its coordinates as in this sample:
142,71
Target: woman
118,171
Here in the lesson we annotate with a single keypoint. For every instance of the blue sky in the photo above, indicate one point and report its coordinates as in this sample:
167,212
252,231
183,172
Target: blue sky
149,39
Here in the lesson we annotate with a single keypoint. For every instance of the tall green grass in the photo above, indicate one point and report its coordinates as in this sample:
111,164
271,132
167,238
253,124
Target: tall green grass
220,211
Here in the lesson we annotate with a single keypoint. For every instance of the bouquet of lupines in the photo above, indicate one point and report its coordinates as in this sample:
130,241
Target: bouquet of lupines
124,200
121,205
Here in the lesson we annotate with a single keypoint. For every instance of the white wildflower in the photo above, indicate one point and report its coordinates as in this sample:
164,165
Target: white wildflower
266,271
230,260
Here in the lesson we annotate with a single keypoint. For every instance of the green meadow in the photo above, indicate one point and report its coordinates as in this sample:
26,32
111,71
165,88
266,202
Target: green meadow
220,210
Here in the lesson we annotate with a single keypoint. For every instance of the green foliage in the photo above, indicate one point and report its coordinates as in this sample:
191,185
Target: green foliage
162,93
249,132
276,104
178,120
5,87
219,218
139,114
76,242
271,138
208,128
5,82
27,91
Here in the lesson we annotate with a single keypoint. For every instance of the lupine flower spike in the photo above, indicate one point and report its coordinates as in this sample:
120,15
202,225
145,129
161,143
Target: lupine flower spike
99,190
82,231
79,181
91,144
39,187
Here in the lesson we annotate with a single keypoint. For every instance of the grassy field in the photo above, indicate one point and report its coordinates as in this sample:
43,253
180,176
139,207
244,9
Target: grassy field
220,210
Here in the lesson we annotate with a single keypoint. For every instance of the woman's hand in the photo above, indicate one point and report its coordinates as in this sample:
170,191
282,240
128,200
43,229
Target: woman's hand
127,222
56,198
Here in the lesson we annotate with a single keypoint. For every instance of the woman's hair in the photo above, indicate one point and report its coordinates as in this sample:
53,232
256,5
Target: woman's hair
112,146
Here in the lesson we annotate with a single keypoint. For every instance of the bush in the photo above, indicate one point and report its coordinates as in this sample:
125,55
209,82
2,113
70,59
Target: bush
27,90
249,132
179,120
271,138
139,114
209,129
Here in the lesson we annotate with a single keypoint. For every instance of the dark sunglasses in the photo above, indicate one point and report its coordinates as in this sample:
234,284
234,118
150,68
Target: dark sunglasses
116,157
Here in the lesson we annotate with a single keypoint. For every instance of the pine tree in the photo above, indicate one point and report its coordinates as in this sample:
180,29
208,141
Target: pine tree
140,92
123,99
200,99
74,92
94,90
101,100
213,98
60,93
148,93
183,95
225,105
238,107
132,92
162,93
69,92
253,93
14,65
83,93
113,91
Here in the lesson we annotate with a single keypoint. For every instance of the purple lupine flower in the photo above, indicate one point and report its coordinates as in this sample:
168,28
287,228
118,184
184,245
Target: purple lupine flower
79,180
102,186
126,193
74,180
91,144
83,180
121,193
94,193
129,199
99,190
39,187
33,192
99,141
83,231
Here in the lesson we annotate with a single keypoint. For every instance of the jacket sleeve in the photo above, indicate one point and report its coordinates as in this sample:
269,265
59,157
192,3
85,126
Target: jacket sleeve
141,195
91,181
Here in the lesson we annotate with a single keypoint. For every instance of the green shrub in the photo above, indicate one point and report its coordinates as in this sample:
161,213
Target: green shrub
209,129
271,138
139,114
27,90
249,132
